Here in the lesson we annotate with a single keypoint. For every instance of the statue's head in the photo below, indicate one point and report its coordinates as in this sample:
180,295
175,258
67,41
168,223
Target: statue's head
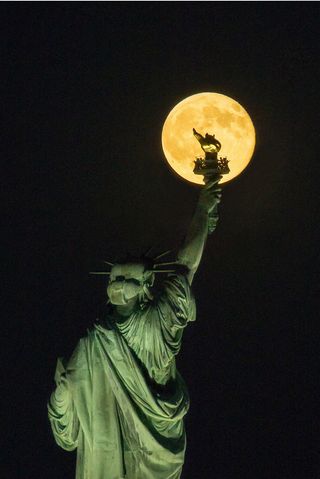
129,280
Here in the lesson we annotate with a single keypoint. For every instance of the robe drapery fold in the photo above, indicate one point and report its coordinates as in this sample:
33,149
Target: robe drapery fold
120,400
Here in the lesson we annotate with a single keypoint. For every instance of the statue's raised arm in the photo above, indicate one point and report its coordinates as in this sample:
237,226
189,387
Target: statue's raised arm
191,251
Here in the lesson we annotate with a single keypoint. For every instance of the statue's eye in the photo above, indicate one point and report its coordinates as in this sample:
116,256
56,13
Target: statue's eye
134,281
120,278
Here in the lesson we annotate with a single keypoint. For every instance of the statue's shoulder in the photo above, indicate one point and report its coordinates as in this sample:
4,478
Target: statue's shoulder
89,336
105,322
97,328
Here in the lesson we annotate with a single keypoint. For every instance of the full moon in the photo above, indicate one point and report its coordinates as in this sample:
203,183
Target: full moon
217,115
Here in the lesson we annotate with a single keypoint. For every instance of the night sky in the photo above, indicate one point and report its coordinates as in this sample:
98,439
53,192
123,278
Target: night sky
86,88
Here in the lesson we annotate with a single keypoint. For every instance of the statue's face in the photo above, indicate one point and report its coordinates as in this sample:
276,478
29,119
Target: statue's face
126,282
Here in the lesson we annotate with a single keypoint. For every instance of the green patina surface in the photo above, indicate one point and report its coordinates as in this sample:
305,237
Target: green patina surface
120,400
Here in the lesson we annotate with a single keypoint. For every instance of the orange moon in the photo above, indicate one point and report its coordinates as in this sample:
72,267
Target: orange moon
217,115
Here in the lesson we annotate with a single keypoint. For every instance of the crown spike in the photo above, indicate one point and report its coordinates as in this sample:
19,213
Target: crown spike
165,264
100,272
108,262
147,253
162,254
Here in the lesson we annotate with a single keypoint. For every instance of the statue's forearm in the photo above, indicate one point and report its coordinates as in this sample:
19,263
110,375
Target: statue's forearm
63,417
191,251
204,221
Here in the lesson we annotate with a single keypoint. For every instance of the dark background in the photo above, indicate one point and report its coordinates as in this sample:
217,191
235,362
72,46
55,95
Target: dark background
86,88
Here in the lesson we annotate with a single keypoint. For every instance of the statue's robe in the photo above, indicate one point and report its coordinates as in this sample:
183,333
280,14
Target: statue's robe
122,401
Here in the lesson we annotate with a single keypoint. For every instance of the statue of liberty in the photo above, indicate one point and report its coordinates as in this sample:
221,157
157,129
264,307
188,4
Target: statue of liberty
120,400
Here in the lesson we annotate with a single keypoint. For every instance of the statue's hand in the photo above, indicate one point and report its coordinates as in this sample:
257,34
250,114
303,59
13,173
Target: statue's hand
210,195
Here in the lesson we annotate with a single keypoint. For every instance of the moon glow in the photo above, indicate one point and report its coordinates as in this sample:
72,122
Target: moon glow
217,115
